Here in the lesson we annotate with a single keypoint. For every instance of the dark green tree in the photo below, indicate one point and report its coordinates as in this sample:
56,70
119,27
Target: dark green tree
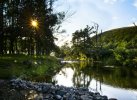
17,35
82,43
1,26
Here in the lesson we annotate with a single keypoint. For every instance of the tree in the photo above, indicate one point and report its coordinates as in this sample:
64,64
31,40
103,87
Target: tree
82,42
64,51
1,26
17,35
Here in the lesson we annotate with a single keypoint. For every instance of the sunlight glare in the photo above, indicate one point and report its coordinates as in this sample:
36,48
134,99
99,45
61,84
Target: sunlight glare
34,23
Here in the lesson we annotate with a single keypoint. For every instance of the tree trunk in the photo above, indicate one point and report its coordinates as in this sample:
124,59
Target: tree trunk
1,27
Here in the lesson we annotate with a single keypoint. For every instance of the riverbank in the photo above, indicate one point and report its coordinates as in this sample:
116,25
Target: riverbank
35,68
27,90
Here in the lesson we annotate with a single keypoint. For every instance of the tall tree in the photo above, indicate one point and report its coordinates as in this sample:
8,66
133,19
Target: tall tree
17,35
81,41
1,26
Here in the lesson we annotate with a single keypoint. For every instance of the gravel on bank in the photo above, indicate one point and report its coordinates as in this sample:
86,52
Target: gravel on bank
47,91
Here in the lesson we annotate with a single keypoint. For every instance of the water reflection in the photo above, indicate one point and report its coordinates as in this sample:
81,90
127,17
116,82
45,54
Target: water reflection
81,76
117,82
123,77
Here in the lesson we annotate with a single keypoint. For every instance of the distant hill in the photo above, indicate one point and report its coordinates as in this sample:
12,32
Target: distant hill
117,46
116,36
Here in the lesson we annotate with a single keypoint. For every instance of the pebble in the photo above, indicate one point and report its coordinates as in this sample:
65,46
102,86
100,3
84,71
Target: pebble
112,99
47,91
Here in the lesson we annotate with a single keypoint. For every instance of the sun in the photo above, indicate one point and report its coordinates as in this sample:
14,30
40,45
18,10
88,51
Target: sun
34,23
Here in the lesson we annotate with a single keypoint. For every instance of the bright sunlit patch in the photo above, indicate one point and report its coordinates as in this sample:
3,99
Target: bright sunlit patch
34,23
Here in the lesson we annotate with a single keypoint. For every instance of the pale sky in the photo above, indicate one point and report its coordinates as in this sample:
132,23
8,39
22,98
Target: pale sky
108,14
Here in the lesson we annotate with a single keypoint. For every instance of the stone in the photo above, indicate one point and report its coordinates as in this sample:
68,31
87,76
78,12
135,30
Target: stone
90,97
85,97
39,89
104,97
39,97
61,92
56,92
98,98
71,97
91,93
112,99
58,97
85,89
97,93
45,89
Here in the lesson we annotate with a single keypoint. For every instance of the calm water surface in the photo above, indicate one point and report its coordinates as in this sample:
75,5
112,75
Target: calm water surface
117,82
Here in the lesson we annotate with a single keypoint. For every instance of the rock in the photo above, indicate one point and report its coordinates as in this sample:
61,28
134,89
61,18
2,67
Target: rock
46,97
56,92
1,82
98,97
84,89
45,89
97,93
39,97
85,97
61,92
104,98
112,99
69,97
91,93
90,97
58,97
39,89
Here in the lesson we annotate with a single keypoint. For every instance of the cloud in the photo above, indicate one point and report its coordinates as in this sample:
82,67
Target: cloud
112,1
86,13
107,13
135,3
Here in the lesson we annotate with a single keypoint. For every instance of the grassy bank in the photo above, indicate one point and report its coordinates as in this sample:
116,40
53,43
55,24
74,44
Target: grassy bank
40,68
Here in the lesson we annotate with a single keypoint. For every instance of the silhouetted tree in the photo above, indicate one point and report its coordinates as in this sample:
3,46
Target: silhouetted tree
16,32
1,26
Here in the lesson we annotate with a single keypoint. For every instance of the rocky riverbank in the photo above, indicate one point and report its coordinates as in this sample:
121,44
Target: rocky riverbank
17,89
47,91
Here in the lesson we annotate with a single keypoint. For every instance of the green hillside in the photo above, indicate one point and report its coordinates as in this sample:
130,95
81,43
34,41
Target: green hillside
120,35
118,46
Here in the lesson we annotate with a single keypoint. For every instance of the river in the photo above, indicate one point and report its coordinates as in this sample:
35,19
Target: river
115,82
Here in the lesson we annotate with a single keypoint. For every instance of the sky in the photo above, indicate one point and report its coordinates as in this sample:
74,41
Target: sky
109,14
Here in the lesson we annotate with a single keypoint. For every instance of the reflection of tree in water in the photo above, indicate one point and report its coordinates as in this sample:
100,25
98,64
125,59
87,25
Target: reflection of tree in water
123,77
81,77
81,80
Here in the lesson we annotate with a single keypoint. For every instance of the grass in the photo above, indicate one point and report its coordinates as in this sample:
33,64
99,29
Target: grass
28,67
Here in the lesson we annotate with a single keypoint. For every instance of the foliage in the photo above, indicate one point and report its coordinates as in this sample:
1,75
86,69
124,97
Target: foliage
28,67
122,44
18,36
81,43
64,51
116,36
